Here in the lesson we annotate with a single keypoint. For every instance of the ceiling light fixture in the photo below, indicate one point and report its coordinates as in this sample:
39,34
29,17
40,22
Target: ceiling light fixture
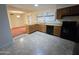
13,11
18,16
36,5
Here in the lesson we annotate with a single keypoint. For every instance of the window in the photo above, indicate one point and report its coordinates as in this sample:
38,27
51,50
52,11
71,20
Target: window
49,19
46,18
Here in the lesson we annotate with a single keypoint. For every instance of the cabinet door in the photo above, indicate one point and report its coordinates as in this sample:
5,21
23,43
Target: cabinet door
42,28
57,30
74,10
63,12
58,14
66,11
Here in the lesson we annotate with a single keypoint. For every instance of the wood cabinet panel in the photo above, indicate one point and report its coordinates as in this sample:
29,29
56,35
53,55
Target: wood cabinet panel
68,11
74,10
58,14
57,30
53,30
42,28
36,27
31,28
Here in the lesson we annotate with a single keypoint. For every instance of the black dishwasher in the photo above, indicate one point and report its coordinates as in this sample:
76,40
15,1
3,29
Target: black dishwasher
49,29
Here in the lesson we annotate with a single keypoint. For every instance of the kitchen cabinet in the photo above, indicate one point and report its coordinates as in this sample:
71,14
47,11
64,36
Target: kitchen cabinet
49,29
74,10
58,14
53,30
62,12
68,11
57,30
36,27
30,28
42,28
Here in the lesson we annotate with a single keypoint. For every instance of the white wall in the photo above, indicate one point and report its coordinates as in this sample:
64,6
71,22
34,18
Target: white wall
5,35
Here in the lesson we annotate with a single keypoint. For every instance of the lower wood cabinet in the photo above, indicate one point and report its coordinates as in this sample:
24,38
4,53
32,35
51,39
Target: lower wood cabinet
53,30
31,28
57,30
36,27
42,28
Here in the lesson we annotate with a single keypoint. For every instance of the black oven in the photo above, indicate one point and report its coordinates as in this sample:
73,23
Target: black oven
69,30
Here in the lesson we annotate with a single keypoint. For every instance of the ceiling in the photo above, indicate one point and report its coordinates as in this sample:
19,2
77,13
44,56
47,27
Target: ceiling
32,8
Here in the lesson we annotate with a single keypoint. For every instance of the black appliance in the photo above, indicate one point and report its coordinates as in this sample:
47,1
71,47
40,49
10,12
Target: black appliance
49,29
78,32
69,30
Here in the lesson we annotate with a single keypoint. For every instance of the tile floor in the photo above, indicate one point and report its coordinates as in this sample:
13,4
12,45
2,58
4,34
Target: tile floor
38,43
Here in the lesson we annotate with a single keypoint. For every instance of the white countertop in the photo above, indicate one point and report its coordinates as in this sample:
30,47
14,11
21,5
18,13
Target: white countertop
54,24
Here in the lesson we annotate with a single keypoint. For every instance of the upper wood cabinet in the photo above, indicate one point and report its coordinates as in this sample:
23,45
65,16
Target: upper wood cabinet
58,14
68,11
74,10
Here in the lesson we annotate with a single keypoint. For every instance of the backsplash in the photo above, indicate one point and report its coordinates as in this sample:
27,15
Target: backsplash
70,18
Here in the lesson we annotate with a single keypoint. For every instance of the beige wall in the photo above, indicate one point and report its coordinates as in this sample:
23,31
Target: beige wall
26,19
23,20
33,19
17,22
